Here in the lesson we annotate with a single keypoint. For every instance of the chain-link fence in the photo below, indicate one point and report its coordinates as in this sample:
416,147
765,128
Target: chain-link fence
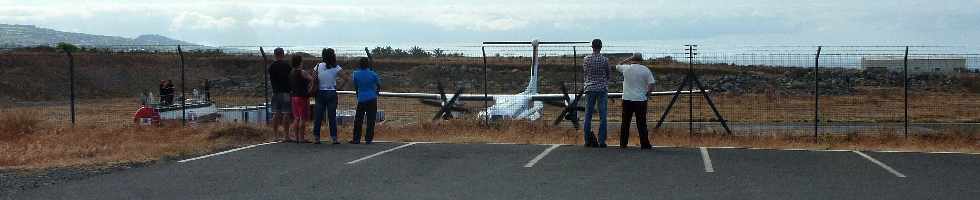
787,90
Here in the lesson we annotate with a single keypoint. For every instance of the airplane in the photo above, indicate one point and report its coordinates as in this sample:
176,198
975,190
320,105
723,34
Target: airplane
526,105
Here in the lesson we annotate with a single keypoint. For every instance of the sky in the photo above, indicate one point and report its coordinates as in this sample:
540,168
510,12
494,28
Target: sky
751,22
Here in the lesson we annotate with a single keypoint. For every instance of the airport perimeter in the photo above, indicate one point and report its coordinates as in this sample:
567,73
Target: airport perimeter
424,170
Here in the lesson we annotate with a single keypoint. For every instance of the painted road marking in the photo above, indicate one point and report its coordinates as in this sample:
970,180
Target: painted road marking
224,152
707,160
542,155
879,163
382,152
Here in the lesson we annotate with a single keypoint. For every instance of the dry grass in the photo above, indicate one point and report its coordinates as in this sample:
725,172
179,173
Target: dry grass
37,146
27,143
542,133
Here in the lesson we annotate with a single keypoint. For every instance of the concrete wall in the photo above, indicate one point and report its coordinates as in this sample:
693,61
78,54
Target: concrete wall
946,66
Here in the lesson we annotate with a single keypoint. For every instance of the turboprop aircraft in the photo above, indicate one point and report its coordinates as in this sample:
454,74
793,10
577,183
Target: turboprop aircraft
526,105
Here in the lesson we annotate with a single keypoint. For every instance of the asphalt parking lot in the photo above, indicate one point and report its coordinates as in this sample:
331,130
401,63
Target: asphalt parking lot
509,171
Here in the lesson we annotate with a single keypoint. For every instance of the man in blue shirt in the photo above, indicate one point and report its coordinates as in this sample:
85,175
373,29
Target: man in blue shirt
367,84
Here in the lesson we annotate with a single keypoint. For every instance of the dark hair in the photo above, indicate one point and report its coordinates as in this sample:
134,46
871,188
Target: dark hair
297,61
329,57
279,52
596,44
362,63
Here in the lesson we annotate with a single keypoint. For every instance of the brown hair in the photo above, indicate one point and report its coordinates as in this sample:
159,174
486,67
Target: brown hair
329,57
596,44
297,61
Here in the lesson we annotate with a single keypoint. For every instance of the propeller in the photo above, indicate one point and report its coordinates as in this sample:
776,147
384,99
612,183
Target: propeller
570,112
437,103
447,105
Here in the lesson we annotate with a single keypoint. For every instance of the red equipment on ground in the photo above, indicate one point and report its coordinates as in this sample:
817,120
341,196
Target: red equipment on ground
146,116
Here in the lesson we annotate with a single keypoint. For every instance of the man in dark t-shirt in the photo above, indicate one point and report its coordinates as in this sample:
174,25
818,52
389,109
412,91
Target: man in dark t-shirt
279,79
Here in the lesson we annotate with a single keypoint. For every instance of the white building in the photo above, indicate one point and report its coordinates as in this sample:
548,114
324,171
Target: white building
938,65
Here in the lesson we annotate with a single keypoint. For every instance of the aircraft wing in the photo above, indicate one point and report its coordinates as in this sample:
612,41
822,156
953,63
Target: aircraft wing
560,97
489,97
434,96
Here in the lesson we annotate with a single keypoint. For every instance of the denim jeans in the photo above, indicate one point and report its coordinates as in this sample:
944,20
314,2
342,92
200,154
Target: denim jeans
594,100
325,100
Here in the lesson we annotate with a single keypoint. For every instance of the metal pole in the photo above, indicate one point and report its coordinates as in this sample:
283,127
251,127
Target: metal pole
265,84
71,85
486,93
906,69
816,92
690,98
183,93
575,64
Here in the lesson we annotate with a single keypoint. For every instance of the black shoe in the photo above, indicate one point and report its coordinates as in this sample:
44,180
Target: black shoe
646,147
335,142
367,142
602,145
623,146
353,142
317,142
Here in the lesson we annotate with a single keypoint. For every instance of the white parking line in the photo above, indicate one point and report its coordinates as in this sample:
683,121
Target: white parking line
879,163
224,152
542,155
707,160
382,152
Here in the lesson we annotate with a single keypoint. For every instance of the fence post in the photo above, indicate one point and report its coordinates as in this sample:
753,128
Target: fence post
816,95
265,85
574,65
183,93
690,98
486,94
71,84
906,69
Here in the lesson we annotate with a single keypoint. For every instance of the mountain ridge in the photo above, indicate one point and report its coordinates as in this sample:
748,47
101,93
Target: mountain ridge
14,35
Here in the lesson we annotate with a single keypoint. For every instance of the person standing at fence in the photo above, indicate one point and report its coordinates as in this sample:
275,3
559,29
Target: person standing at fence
166,92
300,87
637,82
367,84
326,97
596,71
279,79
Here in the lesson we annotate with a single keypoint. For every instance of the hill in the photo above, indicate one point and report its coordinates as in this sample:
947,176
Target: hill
30,35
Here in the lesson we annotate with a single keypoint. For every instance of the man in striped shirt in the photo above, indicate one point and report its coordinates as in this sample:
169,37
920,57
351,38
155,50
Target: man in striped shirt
597,69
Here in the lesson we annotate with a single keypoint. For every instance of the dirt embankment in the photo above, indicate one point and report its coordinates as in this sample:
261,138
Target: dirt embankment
45,77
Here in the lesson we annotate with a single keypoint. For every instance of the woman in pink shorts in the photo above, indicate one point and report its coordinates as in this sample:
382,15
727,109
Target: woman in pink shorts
300,83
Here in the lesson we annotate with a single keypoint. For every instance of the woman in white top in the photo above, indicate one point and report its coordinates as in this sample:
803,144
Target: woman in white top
326,97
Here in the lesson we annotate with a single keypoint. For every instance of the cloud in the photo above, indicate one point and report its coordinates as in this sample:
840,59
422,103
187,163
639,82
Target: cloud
198,21
245,20
476,22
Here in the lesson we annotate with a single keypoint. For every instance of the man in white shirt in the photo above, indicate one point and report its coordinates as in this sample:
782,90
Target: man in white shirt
637,82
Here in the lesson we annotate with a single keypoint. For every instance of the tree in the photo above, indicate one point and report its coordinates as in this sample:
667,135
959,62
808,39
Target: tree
417,51
67,47
438,53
